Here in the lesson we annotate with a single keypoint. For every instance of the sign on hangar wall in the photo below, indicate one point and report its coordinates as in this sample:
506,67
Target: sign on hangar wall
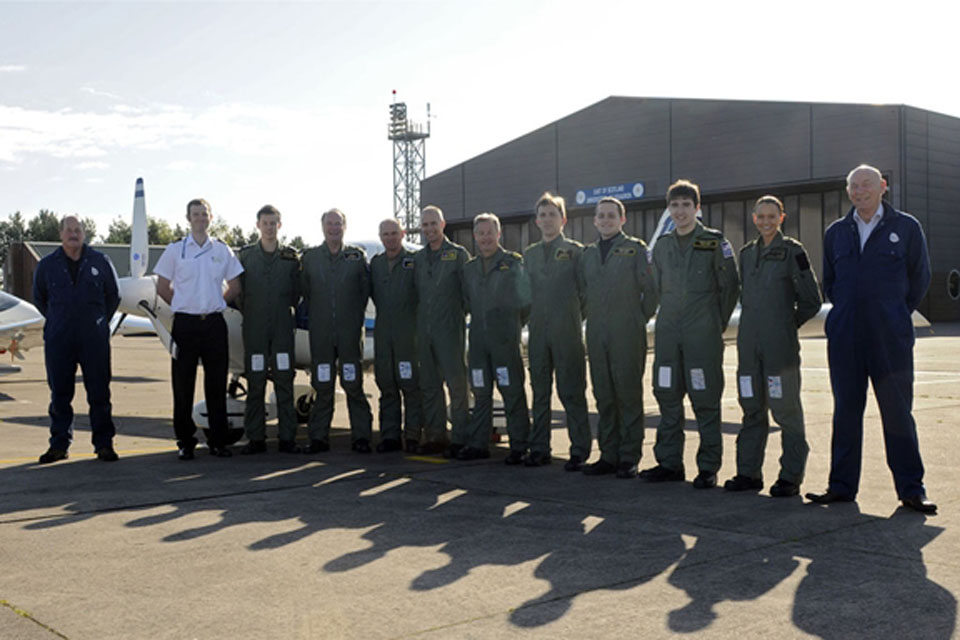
622,191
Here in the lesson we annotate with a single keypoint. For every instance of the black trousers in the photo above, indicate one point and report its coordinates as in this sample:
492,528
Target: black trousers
200,339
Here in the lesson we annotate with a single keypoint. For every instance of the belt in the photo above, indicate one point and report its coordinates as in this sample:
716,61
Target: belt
197,316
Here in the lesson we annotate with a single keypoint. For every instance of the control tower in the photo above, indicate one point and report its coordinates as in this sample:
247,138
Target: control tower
409,165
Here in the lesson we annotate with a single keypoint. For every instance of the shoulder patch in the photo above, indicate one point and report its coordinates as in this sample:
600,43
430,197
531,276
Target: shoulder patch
449,255
503,265
625,251
706,244
802,261
563,254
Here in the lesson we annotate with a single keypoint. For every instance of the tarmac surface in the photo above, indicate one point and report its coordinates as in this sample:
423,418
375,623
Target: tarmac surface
345,545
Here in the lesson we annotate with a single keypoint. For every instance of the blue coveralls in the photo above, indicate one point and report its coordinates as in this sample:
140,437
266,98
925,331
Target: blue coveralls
77,331
870,333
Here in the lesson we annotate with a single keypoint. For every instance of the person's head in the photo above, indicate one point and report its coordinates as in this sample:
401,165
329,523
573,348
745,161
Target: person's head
609,216
432,224
768,215
391,235
71,234
866,186
268,222
551,212
334,223
199,215
683,200
486,233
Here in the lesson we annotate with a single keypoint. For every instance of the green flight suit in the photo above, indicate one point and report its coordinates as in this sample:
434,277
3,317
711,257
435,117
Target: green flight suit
621,298
699,287
556,342
441,345
336,289
393,289
780,293
498,297
270,290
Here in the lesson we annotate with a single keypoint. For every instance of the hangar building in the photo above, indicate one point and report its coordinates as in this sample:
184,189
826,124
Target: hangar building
736,151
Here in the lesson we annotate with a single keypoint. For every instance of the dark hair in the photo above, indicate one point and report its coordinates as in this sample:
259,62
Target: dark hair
684,189
768,199
198,202
616,201
268,210
557,201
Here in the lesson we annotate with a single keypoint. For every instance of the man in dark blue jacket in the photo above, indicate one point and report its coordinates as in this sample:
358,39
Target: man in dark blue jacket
875,272
76,290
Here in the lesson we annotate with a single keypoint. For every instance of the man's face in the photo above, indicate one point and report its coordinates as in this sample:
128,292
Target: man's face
333,228
391,235
866,189
607,220
768,219
199,219
684,214
487,237
71,236
267,225
431,226
550,221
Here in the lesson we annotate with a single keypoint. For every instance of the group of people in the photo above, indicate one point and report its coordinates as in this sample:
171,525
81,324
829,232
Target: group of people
876,271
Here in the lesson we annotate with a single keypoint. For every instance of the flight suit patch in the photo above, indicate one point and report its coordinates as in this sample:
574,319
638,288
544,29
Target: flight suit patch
448,255
746,387
803,262
698,381
323,372
406,263
625,251
477,375
664,377
503,377
777,253
405,369
256,362
503,265
706,245
283,361
727,249
774,387
349,372
562,254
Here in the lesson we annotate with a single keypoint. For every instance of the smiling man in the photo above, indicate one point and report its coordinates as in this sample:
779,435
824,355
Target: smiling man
875,272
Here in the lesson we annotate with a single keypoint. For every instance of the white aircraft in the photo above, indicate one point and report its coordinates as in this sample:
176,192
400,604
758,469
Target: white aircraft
21,327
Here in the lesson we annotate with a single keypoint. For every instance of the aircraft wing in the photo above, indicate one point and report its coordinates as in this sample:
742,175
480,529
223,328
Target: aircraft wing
21,325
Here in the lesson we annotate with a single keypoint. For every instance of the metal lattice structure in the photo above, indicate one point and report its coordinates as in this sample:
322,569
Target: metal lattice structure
409,166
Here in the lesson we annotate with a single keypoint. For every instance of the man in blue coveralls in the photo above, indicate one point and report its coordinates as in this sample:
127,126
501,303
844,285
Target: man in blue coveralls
875,272
75,288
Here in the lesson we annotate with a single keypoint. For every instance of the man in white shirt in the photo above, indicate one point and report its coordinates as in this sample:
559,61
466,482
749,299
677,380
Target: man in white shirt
190,276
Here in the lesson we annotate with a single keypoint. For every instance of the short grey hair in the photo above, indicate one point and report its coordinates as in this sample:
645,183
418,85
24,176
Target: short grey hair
343,216
487,217
864,167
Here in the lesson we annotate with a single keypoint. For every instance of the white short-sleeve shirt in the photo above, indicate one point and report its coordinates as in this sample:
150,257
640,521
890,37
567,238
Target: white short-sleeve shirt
196,273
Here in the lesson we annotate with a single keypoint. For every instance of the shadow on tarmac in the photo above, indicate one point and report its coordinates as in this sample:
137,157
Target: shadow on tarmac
584,534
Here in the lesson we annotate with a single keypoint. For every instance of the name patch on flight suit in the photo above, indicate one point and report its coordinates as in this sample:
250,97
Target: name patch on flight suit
352,255
802,261
777,253
503,265
448,255
406,263
562,254
706,245
625,251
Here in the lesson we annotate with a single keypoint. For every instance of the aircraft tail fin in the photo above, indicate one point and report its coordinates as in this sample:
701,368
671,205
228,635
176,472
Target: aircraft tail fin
139,250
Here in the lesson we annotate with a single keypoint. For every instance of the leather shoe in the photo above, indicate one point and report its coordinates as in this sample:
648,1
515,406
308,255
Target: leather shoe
431,448
361,446
388,445
288,446
411,446
828,497
254,446
53,455
662,474
920,503
318,446
453,451
219,451
599,468
705,480
185,453
472,453
513,458
784,489
743,483
536,459
627,470
107,454
575,463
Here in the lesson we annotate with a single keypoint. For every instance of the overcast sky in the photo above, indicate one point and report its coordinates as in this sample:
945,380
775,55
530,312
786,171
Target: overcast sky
247,104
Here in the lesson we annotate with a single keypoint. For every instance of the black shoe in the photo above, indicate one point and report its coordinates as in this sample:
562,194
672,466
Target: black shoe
575,463
472,453
784,489
388,445
185,453
411,446
254,446
513,458
361,446
599,468
431,448
318,446
288,446
828,497
536,459
920,503
627,470
453,451
705,480
53,455
107,454
662,474
743,483
218,451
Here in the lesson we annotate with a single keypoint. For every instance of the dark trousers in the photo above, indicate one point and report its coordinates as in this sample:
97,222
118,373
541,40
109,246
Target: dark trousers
61,357
200,339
